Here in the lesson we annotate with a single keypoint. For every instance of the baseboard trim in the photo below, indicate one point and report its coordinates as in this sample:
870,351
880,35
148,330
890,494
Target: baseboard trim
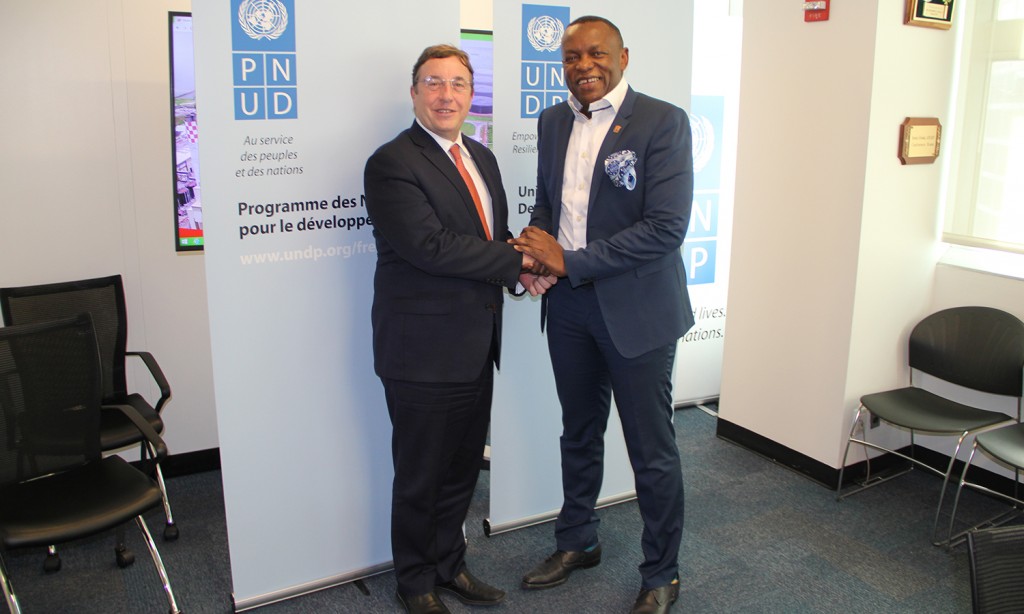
187,463
777,453
829,476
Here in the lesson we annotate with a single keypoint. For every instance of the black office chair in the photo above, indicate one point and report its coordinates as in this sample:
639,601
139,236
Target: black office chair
1005,445
980,348
55,484
103,299
997,570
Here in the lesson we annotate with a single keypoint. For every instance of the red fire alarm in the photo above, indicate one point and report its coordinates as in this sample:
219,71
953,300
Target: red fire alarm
816,11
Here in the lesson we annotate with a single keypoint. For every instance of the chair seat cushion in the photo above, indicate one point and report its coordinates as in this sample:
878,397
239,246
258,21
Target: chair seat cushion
76,503
918,409
1006,444
117,431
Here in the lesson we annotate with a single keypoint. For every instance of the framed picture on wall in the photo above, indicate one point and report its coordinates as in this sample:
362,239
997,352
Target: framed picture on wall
920,138
930,13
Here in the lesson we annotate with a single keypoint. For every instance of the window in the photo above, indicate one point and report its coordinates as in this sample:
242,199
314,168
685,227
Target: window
985,206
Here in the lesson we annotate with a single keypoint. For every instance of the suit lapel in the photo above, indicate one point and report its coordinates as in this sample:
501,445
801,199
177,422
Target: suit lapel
608,146
440,159
490,176
563,130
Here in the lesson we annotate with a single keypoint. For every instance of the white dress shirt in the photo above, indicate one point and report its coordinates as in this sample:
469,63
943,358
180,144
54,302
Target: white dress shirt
474,172
580,163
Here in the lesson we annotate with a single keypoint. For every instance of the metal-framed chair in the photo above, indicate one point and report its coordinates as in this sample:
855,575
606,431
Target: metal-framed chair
979,348
1006,446
55,483
102,298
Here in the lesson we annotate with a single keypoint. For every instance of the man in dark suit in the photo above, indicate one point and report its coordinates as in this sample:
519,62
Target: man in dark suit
440,221
614,191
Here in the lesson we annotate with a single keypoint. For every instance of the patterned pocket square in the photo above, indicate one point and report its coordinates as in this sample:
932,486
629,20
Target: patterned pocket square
621,168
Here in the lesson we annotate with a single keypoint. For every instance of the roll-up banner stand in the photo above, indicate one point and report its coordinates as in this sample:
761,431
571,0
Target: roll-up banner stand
294,97
526,423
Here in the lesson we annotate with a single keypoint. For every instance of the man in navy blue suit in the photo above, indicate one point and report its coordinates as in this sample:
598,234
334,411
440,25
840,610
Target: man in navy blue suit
614,191
440,220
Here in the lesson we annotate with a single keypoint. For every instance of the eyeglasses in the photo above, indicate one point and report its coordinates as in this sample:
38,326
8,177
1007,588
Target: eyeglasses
458,84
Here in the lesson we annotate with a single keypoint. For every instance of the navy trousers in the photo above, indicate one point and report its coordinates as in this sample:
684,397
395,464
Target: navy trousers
437,444
588,370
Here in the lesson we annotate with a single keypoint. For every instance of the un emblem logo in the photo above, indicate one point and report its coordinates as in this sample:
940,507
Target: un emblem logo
263,18
545,33
703,141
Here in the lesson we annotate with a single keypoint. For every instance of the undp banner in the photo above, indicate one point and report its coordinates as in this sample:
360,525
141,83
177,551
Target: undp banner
294,98
698,374
526,421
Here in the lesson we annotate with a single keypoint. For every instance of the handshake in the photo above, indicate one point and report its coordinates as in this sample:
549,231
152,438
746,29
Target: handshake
543,260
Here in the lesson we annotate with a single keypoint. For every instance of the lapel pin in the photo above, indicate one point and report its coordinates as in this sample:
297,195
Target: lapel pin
616,129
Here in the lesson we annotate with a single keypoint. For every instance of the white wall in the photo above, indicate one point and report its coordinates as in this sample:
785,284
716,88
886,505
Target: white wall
87,178
836,243
901,219
805,95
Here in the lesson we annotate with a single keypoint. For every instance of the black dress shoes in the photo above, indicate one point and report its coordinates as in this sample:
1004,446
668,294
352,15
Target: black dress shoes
423,604
556,568
656,600
472,591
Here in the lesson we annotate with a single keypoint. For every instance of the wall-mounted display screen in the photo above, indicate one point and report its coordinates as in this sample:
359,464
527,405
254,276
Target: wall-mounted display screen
479,45
188,207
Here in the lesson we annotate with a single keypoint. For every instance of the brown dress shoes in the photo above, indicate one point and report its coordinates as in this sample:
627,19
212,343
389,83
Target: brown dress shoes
656,600
471,590
556,568
423,604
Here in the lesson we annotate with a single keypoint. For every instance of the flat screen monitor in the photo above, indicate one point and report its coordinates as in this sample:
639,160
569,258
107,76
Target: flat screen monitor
479,45
188,204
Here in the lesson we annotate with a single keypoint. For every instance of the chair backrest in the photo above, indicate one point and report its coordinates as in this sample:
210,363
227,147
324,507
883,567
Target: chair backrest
49,398
976,347
102,298
997,569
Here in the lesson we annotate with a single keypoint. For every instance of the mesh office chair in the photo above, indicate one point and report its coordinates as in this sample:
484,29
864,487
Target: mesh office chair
980,348
997,570
103,299
1006,445
55,484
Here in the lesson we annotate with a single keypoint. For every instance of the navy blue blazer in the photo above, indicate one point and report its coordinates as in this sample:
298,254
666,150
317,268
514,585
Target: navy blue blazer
633,236
438,286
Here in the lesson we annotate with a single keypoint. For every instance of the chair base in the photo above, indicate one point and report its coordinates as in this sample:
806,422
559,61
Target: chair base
858,423
870,481
1016,508
124,559
999,520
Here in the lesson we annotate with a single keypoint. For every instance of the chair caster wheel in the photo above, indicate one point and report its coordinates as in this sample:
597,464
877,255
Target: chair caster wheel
125,557
52,563
170,532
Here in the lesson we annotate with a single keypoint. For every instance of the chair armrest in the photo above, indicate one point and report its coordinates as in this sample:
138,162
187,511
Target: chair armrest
158,376
147,430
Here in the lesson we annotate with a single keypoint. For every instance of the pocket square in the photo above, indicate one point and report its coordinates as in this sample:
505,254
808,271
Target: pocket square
621,168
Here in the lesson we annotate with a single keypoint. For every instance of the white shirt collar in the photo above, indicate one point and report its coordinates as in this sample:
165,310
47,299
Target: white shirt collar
445,143
612,99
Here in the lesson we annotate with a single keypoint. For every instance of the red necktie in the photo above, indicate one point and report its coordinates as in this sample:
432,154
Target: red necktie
472,188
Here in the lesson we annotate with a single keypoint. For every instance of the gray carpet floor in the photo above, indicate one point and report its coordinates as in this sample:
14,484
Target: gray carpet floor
758,538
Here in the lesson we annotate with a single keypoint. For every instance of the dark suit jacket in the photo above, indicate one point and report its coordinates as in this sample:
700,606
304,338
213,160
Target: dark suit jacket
633,236
438,286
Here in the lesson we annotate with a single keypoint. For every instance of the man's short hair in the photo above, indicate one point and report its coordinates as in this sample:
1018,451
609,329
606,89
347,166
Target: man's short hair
438,52
593,18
